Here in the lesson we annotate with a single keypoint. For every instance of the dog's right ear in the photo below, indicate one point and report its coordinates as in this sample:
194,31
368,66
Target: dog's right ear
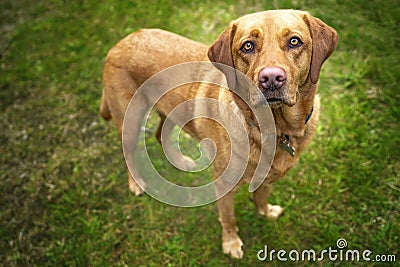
221,52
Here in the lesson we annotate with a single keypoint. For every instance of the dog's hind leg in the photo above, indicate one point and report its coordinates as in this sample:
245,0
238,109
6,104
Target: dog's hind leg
160,126
174,155
118,89
130,133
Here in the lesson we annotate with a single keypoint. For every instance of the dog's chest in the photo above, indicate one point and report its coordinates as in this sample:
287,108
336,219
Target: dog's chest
282,162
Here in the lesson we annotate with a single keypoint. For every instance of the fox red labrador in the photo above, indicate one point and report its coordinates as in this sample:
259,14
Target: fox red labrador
280,51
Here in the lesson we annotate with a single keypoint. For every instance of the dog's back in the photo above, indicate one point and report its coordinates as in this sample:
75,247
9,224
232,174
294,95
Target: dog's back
136,58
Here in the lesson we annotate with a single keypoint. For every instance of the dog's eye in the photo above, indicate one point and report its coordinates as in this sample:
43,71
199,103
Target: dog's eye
247,47
295,42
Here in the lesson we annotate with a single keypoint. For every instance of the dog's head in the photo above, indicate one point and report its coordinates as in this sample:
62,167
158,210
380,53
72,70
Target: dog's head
279,50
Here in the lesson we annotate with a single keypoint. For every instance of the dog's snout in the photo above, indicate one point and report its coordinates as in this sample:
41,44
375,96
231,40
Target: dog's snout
272,78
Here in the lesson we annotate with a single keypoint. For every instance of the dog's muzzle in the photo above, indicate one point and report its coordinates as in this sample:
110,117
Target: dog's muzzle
272,81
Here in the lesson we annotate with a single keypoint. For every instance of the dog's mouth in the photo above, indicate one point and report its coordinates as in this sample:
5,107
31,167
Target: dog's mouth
277,98
273,98
275,102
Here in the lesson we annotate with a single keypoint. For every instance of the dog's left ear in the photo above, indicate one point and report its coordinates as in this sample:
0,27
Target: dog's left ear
324,41
221,52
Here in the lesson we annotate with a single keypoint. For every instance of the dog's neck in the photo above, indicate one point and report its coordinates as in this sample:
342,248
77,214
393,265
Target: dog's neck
292,121
289,121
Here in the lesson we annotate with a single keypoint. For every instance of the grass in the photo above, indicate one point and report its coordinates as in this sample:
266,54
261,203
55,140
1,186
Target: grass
64,197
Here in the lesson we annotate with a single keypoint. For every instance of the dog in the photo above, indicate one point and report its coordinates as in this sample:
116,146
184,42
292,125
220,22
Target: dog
280,51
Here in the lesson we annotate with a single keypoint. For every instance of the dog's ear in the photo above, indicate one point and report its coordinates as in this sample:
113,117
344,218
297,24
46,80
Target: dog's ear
324,41
221,52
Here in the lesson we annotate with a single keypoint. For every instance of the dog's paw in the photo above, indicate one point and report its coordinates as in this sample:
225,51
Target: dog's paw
179,160
272,212
185,163
233,247
135,188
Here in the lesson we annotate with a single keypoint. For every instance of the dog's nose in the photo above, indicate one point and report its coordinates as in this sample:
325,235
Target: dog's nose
272,78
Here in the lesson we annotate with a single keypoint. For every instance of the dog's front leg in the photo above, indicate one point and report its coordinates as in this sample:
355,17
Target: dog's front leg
260,197
231,243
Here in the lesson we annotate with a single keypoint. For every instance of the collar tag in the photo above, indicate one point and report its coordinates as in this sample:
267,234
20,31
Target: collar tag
286,146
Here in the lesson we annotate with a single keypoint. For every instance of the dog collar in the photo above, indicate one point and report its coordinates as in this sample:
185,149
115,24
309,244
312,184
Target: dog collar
308,117
285,139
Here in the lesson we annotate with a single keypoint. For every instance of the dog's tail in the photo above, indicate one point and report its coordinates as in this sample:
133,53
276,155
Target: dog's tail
104,110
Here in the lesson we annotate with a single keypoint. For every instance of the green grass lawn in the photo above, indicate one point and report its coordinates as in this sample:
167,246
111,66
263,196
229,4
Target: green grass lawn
64,196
